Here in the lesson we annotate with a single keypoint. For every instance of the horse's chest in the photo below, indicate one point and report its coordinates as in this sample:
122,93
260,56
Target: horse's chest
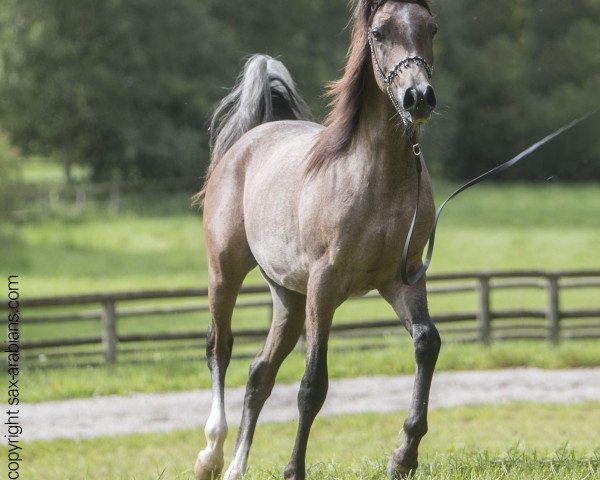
370,241
375,247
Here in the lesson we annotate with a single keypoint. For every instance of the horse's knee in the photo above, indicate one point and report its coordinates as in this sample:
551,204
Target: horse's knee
314,386
427,342
312,394
260,381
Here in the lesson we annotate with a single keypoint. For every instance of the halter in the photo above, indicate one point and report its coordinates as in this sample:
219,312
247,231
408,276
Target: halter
394,72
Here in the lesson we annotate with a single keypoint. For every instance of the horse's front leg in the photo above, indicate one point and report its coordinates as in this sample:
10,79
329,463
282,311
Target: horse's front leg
320,306
410,304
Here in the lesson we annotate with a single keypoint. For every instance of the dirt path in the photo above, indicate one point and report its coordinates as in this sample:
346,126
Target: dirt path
160,412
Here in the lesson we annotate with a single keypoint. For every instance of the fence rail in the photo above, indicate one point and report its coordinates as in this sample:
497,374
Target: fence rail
482,324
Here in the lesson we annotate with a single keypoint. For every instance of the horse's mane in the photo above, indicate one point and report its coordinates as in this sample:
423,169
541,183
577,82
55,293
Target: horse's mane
347,93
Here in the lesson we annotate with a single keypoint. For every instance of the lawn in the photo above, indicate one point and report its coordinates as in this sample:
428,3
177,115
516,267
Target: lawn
511,441
156,241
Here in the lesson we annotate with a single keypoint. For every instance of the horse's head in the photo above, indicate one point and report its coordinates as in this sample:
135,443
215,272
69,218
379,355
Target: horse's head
400,36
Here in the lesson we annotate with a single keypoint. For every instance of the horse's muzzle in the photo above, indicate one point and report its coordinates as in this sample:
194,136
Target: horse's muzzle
419,101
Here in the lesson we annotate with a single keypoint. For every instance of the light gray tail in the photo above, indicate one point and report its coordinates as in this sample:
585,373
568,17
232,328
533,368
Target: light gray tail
264,92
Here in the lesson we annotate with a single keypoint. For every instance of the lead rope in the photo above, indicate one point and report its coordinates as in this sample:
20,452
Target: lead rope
413,279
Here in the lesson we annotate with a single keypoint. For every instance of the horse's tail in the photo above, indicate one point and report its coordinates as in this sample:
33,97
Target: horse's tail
264,92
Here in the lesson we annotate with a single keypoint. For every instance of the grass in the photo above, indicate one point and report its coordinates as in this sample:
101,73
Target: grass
513,441
156,241
177,372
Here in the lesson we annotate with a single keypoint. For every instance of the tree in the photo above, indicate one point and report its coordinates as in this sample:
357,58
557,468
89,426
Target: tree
121,85
126,86
510,73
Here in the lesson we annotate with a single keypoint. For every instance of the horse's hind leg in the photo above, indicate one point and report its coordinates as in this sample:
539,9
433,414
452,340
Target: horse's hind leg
410,303
224,285
286,327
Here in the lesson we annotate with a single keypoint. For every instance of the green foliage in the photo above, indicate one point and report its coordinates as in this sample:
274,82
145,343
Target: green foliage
308,36
125,83
511,72
10,199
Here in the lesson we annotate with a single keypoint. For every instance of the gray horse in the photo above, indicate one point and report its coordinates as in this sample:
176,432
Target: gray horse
323,211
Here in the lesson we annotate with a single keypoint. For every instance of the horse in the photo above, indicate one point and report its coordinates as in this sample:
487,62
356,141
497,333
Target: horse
323,211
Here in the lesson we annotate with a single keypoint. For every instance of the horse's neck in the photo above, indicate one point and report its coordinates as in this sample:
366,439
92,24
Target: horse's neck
381,143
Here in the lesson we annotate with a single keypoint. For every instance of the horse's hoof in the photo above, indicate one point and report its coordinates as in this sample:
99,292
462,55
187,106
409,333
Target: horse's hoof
203,473
292,473
397,471
204,469
233,475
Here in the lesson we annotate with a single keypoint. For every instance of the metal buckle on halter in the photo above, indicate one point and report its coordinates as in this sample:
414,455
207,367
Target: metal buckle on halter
416,148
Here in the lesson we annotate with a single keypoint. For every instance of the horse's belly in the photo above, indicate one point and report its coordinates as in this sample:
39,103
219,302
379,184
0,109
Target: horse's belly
282,265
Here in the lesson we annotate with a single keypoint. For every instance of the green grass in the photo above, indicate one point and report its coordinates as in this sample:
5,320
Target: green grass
156,241
176,372
514,441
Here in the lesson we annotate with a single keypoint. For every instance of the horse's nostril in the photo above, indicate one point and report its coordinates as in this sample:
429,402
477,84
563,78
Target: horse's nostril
430,97
410,99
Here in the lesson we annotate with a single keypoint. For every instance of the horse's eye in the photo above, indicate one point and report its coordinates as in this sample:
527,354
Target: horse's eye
377,35
434,29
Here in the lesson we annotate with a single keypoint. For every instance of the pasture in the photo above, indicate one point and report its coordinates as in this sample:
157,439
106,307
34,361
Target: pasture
352,218
174,371
156,242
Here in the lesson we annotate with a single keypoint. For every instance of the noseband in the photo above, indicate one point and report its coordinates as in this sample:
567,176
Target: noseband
394,72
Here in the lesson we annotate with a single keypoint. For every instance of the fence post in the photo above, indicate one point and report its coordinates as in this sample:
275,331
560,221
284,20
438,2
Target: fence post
484,315
553,309
109,331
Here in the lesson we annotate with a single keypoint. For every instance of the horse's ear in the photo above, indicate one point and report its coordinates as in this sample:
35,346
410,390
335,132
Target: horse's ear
366,8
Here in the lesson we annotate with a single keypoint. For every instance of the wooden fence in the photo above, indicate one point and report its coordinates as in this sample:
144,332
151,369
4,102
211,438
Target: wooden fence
483,324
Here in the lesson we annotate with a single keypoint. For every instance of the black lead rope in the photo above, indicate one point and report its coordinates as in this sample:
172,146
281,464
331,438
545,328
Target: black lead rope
413,279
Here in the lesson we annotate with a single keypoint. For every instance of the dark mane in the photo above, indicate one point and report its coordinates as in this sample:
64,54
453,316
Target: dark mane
347,93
